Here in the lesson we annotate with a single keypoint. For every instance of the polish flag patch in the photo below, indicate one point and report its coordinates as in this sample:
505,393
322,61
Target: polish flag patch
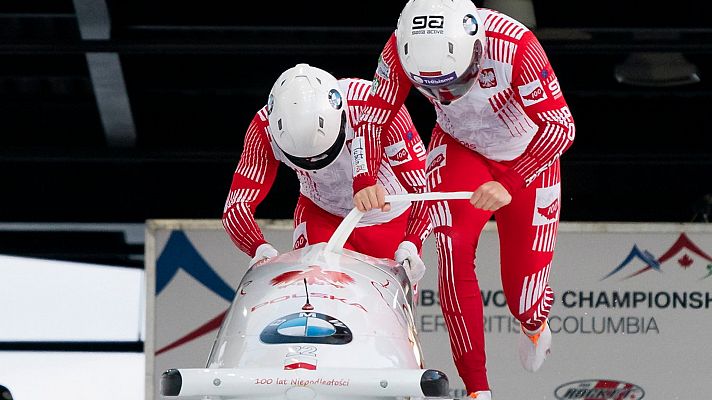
436,159
547,205
532,93
300,361
397,153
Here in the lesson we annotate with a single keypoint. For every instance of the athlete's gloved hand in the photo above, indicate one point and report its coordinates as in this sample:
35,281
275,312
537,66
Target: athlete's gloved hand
264,252
407,255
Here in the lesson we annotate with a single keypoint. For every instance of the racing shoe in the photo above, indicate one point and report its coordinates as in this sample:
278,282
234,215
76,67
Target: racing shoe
481,395
534,347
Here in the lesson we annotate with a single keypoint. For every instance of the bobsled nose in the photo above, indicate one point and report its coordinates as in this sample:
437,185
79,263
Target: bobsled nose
171,382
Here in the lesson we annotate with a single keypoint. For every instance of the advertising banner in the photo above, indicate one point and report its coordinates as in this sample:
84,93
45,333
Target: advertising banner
631,315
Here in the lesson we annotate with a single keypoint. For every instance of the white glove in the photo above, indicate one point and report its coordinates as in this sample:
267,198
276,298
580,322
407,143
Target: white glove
407,255
264,251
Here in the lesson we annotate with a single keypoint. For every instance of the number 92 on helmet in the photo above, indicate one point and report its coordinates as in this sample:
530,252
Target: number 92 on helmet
441,45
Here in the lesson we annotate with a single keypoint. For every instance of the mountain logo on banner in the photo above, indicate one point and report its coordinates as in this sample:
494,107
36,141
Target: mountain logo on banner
180,254
680,253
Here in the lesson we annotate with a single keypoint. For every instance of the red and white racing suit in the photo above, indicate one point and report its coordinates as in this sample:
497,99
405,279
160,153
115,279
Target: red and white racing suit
511,127
326,194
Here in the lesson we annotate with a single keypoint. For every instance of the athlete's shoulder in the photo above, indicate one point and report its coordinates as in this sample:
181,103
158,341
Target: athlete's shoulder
390,51
261,116
259,123
502,25
355,88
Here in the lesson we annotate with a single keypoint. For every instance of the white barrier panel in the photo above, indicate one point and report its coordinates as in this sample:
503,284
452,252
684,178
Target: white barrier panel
631,317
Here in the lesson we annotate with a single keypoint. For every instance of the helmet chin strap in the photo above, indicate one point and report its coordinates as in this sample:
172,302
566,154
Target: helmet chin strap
348,224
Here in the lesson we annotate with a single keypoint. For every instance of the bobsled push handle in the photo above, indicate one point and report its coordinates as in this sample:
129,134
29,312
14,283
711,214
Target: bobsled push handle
343,231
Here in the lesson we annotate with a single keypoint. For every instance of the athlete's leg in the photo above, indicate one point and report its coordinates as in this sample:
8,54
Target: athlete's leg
527,233
527,230
382,240
312,224
456,227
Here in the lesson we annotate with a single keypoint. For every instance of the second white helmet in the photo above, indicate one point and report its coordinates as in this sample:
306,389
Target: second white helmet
441,44
307,116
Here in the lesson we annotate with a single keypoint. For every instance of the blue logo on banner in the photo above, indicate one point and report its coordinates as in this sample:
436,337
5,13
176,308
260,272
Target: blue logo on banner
179,253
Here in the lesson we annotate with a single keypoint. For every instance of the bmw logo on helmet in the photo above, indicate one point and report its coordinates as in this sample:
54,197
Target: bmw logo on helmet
335,99
470,24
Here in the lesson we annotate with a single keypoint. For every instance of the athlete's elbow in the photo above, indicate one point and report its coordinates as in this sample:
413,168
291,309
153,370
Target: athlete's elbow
571,133
570,136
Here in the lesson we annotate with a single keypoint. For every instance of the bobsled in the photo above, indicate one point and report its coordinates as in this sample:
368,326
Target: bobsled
318,323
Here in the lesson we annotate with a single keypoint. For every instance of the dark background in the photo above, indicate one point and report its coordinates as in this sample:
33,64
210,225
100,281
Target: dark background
195,73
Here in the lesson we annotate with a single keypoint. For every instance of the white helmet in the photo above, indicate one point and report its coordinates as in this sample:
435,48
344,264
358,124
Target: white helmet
441,44
307,116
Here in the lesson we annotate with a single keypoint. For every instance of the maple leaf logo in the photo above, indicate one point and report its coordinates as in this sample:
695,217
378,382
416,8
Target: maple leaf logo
682,246
685,261
314,275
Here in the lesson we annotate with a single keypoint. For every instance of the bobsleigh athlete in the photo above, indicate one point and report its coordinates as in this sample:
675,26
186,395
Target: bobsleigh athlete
502,126
308,124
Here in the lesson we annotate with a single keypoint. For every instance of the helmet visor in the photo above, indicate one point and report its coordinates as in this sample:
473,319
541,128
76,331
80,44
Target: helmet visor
324,159
448,88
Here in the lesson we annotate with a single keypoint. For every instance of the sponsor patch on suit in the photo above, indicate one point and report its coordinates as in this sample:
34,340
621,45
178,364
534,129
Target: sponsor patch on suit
532,93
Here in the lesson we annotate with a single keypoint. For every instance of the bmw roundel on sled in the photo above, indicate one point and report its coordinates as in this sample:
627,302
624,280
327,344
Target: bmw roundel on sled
321,322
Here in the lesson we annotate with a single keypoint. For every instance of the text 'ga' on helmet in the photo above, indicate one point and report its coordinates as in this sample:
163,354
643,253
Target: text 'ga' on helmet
307,116
441,45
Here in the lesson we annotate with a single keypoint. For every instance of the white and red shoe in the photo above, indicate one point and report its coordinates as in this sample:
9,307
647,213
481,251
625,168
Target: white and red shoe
481,395
534,347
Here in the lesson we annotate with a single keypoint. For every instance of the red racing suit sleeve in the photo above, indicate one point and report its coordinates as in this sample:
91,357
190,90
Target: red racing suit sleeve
389,90
406,155
252,180
537,90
